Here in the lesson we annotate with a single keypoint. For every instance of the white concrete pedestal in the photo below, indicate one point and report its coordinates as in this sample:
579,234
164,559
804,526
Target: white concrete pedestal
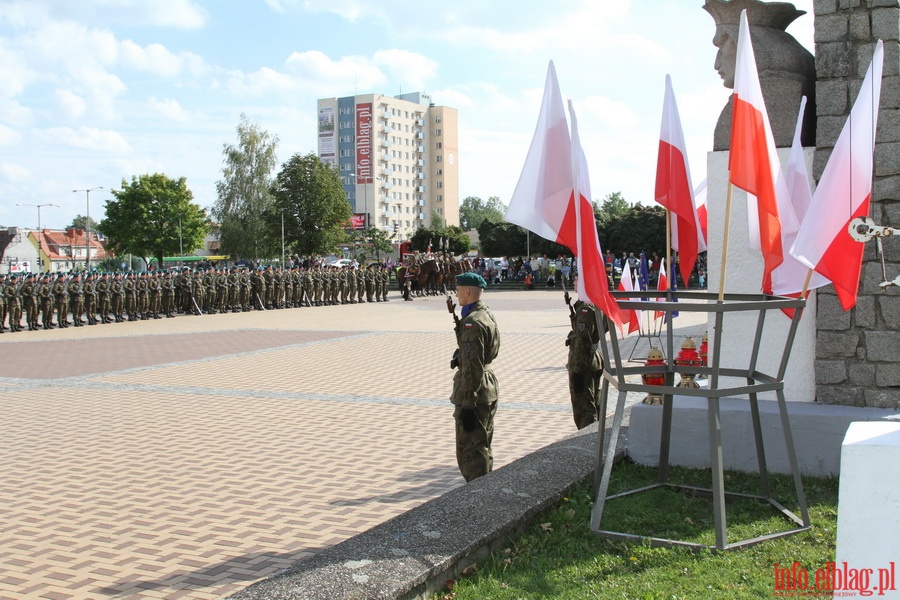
868,530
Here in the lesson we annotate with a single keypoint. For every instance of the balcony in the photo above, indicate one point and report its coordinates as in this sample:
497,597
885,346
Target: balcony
420,149
421,216
420,162
420,203
420,189
420,122
384,156
385,143
385,171
419,135
420,175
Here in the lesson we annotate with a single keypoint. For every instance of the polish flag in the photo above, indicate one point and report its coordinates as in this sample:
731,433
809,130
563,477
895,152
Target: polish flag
674,190
844,193
753,163
702,213
593,282
662,284
790,276
626,284
544,198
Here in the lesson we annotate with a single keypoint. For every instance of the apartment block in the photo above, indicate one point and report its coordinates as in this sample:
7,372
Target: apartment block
398,158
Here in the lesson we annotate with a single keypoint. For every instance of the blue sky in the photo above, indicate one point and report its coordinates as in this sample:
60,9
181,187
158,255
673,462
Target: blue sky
95,91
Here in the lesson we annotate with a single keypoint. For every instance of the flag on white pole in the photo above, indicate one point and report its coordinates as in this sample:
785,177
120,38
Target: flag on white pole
702,213
789,277
545,198
626,284
753,162
844,193
674,189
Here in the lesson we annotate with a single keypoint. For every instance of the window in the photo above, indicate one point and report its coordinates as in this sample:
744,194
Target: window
440,211
346,139
439,184
440,197
345,110
438,158
437,133
346,166
437,119
407,210
346,125
439,172
346,152
438,145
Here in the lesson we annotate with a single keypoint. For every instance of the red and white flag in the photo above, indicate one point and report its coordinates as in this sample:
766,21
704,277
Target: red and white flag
593,282
626,284
789,277
674,190
544,199
844,192
662,284
702,213
753,162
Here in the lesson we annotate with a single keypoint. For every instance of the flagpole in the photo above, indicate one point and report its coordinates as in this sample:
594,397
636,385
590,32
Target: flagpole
806,284
725,241
668,251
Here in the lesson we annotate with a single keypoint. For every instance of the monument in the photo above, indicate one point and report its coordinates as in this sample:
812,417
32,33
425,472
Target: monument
787,70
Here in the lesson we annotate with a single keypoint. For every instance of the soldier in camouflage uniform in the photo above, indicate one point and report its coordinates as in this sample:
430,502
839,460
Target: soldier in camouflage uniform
585,364
246,287
370,283
269,278
128,286
167,292
45,296
306,292
61,300
198,292
2,302
361,284
104,298
13,304
154,292
234,290
142,296
29,303
76,300
209,291
475,387
89,288
117,295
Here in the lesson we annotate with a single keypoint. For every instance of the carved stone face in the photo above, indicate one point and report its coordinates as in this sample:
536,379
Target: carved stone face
726,56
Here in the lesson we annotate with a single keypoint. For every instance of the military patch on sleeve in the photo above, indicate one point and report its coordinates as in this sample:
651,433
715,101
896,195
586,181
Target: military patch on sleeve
584,311
468,325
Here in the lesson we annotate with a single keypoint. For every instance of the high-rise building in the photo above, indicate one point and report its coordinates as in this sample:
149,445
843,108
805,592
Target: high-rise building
397,157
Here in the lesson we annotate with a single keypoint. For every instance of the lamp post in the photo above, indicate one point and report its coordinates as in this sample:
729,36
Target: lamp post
87,226
40,231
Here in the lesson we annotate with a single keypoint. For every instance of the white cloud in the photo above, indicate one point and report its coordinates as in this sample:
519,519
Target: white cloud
170,109
72,104
8,137
410,69
14,173
87,138
180,14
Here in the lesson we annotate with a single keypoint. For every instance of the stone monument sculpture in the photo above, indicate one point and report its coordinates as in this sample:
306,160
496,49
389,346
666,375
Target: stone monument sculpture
787,70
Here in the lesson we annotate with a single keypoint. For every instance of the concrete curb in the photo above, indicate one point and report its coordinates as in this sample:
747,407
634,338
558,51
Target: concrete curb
413,554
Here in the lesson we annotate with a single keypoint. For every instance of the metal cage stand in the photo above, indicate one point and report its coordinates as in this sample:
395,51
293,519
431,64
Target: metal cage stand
756,382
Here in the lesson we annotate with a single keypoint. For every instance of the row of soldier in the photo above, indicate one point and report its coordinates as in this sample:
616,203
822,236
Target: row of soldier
149,295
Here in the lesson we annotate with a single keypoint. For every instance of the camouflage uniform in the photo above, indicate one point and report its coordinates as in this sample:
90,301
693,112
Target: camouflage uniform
76,300
45,296
142,296
585,365
130,300
154,294
89,288
117,294
361,285
61,297
103,298
167,292
13,304
2,302
475,389
29,302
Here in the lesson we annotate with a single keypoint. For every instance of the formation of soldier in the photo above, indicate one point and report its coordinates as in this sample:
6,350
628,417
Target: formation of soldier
95,297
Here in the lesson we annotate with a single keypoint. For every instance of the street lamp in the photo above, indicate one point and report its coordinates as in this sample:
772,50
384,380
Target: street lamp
40,231
87,225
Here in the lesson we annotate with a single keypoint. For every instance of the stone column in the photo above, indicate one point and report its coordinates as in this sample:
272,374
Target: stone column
858,352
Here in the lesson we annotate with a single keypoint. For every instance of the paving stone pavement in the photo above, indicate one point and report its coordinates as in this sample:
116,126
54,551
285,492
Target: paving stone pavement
189,457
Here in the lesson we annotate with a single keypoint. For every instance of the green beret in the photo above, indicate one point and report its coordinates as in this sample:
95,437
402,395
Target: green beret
471,279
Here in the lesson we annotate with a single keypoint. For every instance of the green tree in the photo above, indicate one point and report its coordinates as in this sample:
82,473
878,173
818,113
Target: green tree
244,202
473,211
82,222
153,216
613,207
454,237
437,221
315,206
641,228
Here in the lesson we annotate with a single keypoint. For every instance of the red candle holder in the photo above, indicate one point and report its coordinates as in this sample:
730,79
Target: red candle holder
688,357
655,358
